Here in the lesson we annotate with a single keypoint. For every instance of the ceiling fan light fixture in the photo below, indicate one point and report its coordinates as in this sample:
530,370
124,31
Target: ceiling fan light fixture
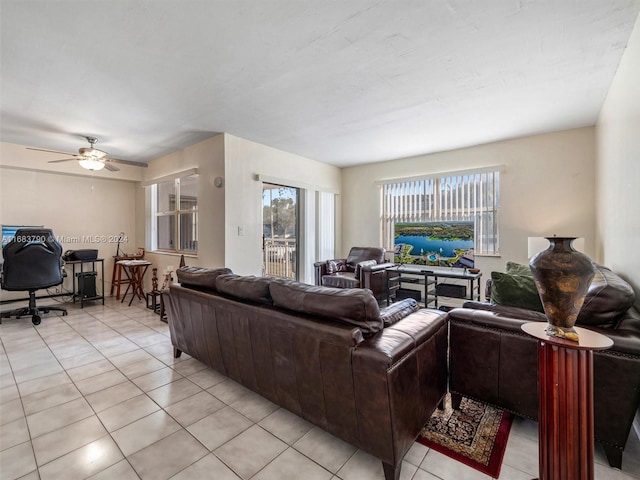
91,164
92,152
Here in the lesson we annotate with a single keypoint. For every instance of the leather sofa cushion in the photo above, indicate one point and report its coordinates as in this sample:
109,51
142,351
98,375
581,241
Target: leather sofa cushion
515,291
353,306
200,278
398,310
254,289
341,280
608,297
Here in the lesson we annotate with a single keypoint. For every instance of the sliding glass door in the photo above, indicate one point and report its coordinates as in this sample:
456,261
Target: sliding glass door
280,231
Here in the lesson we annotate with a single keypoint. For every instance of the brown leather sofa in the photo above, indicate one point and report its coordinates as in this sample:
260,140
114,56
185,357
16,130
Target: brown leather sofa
494,361
364,267
368,376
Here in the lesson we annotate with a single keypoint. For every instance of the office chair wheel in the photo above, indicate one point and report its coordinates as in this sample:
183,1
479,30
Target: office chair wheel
36,319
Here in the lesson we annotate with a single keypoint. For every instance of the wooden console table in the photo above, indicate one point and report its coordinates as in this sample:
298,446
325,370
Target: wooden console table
565,402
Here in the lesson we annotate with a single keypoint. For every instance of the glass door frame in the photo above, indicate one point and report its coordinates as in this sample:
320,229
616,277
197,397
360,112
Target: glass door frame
278,258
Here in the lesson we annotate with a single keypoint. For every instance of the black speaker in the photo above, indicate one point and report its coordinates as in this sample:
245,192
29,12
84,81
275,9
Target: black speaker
87,284
85,255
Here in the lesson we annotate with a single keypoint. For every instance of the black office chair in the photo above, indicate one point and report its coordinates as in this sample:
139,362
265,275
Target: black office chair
32,260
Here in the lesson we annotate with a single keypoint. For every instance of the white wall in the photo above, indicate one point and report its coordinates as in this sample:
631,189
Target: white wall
618,169
547,188
244,160
74,207
237,203
208,157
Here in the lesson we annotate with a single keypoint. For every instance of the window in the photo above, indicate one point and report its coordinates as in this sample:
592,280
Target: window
175,215
455,196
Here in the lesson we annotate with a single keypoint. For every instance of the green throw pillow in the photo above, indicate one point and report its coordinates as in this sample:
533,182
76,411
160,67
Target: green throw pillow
515,291
514,268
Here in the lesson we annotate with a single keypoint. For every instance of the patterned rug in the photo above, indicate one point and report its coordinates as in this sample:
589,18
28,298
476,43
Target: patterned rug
475,435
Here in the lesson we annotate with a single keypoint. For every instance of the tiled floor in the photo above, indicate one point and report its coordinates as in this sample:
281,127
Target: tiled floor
97,394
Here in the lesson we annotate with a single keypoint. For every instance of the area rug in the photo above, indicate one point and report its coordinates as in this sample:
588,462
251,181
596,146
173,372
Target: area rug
475,435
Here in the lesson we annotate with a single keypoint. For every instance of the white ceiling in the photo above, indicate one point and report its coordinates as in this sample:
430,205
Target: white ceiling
342,82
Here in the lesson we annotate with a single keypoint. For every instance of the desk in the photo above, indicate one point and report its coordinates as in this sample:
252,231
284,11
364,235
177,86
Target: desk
565,402
134,270
84,295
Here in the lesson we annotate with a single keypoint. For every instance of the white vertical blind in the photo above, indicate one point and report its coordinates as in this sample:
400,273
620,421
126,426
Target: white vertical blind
464,197
326,220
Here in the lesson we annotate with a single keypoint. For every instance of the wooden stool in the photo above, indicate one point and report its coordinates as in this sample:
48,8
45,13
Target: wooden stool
116,275
134,270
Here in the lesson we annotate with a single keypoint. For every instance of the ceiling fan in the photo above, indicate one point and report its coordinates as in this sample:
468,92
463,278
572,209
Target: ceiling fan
91,158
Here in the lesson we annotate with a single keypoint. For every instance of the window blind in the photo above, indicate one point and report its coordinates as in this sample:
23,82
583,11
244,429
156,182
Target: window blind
462,196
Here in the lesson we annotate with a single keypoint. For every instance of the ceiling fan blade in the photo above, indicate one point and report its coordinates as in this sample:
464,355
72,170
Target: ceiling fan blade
63,160
126,162
111,168
50,151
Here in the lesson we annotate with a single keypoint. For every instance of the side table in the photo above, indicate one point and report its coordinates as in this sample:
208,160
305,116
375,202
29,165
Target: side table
565,402
134,270
155,302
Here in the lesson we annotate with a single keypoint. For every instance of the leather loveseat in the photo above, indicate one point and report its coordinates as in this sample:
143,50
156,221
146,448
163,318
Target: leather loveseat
364,267
494,361
368,376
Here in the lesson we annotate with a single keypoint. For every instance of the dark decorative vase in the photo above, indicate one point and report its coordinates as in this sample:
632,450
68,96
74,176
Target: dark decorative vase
562,276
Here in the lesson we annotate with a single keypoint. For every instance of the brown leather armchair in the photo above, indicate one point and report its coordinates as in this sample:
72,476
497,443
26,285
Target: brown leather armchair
364,267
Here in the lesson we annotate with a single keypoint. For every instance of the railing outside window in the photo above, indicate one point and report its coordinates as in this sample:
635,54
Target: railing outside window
280,258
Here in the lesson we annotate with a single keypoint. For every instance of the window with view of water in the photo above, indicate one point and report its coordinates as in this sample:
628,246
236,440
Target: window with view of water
460,196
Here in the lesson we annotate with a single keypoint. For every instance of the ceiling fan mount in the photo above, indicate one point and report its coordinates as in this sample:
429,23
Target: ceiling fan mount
92,151
91,158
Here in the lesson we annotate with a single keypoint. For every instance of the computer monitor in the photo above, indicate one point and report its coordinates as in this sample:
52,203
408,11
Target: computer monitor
9,231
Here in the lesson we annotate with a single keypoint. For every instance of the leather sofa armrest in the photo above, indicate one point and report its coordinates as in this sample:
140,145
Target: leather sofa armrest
505,311
626,335
378,267
374,278
392,343
400,376
490,319
320,269
624,341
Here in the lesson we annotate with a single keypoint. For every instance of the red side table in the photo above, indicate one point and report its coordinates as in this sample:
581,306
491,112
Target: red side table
565,402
